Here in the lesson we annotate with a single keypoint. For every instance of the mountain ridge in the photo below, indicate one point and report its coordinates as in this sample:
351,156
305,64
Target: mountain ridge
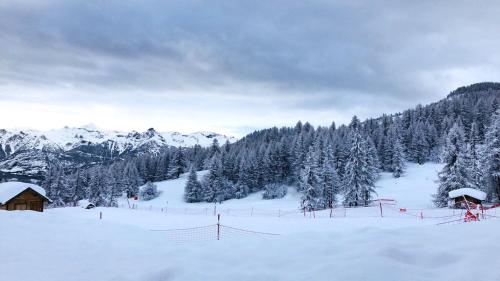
25,153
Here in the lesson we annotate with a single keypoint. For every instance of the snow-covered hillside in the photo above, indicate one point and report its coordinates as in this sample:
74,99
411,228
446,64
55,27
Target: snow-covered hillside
414,190
76,245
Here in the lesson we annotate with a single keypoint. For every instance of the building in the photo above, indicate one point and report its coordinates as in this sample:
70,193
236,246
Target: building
22,196
86,204
457,197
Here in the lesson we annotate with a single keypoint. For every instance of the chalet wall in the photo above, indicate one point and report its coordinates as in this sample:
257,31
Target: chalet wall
26,200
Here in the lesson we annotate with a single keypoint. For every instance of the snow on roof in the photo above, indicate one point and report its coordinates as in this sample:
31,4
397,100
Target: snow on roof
84,203
9,190
474,193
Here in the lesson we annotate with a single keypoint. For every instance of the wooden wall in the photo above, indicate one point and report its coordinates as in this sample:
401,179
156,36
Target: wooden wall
26,200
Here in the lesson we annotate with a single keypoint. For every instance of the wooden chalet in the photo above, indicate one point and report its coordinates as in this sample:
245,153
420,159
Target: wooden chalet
22,196
458,197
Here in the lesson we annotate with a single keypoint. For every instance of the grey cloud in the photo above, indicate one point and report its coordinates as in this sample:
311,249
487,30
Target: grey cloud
323,54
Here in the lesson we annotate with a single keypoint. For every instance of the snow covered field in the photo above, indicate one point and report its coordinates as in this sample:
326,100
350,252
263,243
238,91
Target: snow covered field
356,244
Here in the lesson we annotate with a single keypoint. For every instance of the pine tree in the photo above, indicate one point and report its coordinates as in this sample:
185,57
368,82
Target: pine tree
178,164
299,155
359,180
97,185
192,191
398,163
148,192
213,182
56,185
77,180
419,145
475,173
213,150
132,180
492,159
274,191
454,173
331,178
113,186
311,183
162,168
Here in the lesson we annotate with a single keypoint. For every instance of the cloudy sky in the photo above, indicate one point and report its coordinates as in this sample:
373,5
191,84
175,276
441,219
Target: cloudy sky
235,66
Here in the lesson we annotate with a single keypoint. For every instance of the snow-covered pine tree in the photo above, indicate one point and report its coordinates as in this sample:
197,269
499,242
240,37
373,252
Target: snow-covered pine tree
81,191
192,190
132,180
299,153
475,172
398,163
213,182
148,192
419,145
454,173
274,191
241,190
56,185
213,150
113,186
359,177
97,185
162,167
245,182
492,158
373,161
311,183
178,164
331,180
395,152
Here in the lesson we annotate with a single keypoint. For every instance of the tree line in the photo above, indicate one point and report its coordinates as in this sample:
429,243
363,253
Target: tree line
323,163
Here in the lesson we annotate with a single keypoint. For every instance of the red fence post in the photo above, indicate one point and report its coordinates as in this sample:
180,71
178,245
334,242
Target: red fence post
218,227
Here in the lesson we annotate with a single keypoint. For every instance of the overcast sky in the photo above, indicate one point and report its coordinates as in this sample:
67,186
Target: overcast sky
235,66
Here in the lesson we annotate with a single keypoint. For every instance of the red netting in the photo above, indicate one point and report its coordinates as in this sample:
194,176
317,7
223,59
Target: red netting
210,232
228,232
201,233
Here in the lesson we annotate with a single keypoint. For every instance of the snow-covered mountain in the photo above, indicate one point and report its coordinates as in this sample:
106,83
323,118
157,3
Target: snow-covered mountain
25,152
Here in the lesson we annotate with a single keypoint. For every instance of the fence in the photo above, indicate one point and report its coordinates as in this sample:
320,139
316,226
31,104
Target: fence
376,211
216,231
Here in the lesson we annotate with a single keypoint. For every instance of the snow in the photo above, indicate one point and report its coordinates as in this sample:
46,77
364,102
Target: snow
474,193
8,190
172,196
84,203
414,189
68,138
74,244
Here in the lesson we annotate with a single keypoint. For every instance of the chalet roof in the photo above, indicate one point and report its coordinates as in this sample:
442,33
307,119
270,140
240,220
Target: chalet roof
84,203
474,193
9,190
